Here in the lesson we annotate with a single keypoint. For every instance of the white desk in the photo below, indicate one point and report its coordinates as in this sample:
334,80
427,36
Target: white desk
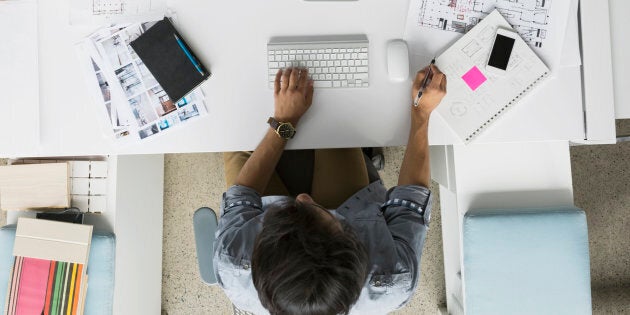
231,38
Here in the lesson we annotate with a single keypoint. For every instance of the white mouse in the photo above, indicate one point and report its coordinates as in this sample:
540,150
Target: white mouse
398,60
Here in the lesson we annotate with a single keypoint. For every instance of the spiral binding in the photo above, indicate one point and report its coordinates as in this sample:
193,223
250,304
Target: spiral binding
504,108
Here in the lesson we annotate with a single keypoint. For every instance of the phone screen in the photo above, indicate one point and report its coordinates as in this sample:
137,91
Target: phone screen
500,55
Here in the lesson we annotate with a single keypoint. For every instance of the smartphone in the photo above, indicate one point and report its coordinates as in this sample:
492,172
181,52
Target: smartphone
501,51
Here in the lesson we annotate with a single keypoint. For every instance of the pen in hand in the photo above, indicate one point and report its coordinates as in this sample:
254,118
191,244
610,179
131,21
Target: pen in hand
424,85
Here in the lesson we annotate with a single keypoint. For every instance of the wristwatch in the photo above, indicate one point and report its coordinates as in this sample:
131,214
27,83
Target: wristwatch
284,129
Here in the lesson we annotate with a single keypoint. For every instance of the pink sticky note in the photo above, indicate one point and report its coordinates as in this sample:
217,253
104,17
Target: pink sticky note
474,78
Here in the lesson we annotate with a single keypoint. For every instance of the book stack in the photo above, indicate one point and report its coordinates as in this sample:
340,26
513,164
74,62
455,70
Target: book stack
49,273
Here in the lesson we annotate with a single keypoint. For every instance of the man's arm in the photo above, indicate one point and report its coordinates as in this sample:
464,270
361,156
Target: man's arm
415,169
293,94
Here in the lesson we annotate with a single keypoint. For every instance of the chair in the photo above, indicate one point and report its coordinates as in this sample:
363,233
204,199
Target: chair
205,227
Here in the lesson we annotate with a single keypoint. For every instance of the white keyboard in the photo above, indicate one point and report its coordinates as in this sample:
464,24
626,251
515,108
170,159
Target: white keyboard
337,61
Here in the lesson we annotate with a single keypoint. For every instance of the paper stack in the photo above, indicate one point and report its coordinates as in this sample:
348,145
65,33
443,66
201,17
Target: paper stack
131,103
49,274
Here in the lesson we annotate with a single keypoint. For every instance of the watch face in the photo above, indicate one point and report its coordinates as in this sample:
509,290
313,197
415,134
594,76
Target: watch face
286,131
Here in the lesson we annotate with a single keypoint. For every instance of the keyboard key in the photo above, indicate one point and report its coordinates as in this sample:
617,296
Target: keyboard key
300,51
274,65
362,69
326,56
336,84
351,62
271,52
344,83
353,69
335,50
364,49
355,56
363,56
364,62
329,76
322,84
361,76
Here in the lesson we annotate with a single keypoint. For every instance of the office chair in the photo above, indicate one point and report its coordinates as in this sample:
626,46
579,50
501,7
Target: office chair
205,227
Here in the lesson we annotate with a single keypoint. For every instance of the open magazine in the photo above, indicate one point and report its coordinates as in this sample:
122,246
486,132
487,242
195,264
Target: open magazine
132,104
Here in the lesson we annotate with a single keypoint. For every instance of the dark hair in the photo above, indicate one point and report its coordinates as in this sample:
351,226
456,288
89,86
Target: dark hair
303,264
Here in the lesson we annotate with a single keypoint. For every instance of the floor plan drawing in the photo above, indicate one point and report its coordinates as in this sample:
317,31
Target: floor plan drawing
530,18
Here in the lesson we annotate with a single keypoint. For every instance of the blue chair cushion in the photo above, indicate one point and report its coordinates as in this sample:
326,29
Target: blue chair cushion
526,261
101,267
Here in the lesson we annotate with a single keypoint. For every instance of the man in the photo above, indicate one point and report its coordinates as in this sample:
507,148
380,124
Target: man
357,252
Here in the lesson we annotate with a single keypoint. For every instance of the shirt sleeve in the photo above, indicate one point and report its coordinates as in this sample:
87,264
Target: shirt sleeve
407,214
239,222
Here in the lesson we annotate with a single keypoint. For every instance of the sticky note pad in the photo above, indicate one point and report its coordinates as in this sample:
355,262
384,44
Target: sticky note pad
474,78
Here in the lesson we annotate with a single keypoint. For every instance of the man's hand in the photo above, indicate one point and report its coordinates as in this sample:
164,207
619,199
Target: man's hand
432,95
293,94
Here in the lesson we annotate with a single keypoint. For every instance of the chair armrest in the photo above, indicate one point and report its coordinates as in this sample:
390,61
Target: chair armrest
205,226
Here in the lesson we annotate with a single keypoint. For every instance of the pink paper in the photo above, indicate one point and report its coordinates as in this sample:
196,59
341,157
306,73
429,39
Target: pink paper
33,281
474,78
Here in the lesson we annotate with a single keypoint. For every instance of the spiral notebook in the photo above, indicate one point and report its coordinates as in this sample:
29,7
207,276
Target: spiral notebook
475,97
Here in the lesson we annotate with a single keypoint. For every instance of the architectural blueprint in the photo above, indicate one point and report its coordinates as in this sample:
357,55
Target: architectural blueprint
541,23
530,18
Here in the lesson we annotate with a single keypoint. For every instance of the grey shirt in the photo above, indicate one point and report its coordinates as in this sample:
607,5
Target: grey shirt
392,225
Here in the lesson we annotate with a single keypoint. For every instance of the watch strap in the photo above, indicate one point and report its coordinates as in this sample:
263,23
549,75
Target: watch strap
273,123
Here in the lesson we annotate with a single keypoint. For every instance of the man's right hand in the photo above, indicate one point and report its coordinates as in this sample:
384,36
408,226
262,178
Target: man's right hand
293,94
433,93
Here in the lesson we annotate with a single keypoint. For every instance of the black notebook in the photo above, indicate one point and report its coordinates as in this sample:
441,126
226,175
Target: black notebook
173,64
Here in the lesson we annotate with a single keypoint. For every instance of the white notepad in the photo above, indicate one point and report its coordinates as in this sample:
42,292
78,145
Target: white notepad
475,97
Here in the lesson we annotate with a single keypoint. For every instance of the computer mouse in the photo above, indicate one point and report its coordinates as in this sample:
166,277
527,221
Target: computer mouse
397,60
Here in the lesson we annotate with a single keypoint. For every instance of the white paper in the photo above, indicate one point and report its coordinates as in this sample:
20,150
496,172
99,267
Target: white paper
542,24
115,11
19,79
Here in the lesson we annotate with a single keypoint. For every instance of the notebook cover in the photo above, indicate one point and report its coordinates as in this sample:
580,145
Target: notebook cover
161,53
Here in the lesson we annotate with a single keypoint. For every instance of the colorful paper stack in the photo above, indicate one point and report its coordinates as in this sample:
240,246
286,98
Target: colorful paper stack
45,287
49,271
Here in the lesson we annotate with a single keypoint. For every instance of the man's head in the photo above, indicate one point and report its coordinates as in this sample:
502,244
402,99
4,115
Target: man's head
306,261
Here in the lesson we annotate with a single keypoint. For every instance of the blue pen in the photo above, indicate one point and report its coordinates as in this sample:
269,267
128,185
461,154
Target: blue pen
188,54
